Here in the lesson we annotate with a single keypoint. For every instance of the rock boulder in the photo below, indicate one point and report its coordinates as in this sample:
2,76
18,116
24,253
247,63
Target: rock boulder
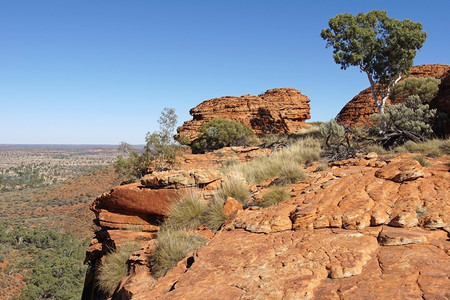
282,110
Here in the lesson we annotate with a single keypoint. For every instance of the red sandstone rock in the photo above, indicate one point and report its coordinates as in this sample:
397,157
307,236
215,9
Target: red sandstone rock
333,240
281,110
134,198
442,100
180,178
357,112
401,170
231,207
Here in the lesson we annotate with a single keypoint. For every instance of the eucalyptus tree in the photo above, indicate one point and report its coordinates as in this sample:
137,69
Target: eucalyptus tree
383,48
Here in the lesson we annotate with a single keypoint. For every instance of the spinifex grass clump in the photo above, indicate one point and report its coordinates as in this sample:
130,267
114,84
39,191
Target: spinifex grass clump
187,212
290,174
234,186
114,268
433,147
275,195
422,160
172,247
215,214
303,151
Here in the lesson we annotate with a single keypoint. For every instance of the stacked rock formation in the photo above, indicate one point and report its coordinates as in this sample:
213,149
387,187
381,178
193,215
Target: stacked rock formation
134,212
282,110
357,112
442,102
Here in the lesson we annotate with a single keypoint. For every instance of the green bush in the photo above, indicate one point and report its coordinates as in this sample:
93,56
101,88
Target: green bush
290,174
275,195
114,268
187,212
426,88
219,133
414,116
172,247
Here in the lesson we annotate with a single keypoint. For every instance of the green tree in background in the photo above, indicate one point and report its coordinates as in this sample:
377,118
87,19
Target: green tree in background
161,148
159,153
384,48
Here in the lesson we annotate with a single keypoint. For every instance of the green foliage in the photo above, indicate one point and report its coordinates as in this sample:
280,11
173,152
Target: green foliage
114,268
159,152
53,264
413,116
382,47
422,160
425,88
187,212
161,148
172,247
331,131
131,168
290,174
275,195
219,133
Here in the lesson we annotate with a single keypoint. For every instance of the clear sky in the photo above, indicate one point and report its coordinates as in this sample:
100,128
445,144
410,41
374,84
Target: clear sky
100,72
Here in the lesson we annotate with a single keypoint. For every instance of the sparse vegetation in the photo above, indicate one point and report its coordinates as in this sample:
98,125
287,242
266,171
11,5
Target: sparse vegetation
275,195
302,150
159,153
47,259
432,147
114,268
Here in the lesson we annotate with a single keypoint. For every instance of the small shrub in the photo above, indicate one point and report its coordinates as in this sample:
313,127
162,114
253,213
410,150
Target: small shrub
172,247
290,174
321,167
422,161
234,186
186,213
219,133
275,195
214,215
114,268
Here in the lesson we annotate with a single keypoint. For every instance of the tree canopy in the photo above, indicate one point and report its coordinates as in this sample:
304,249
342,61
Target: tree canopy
384,48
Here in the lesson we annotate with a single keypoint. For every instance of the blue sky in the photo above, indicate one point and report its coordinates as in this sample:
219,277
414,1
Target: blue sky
100,72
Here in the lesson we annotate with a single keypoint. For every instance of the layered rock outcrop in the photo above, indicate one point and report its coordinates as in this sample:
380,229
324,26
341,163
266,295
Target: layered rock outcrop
442,102
282,110
357,112
367,228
